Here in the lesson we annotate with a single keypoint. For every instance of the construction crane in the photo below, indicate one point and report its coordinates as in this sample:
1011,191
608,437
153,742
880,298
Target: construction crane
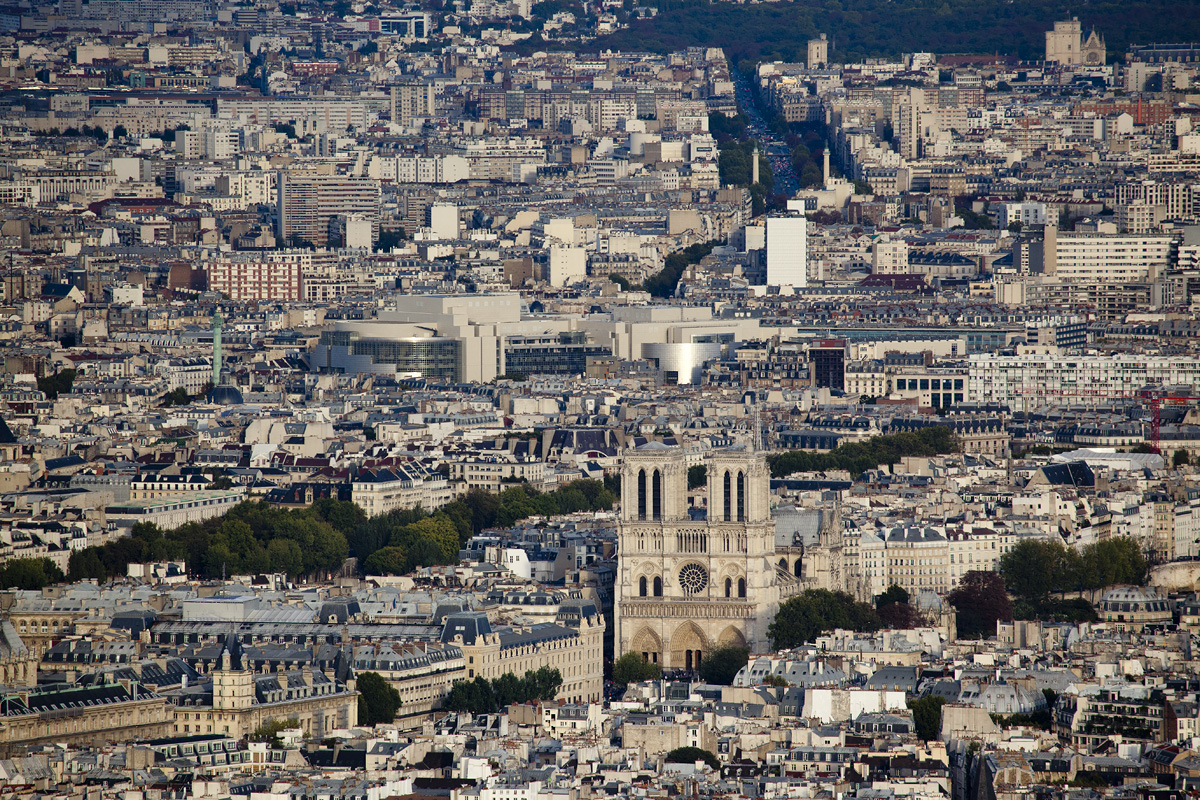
1154,397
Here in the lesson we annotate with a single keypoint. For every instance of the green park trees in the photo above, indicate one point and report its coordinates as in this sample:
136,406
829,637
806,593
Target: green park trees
802,618
721,666
255,537
632,668
927,716
690,755
482,696
1038,572
980,599
29,573
858,457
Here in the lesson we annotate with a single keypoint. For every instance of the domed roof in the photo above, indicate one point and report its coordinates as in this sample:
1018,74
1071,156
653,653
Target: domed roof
225,395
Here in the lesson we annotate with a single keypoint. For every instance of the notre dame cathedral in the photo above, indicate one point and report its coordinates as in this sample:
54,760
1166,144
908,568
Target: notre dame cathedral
692,579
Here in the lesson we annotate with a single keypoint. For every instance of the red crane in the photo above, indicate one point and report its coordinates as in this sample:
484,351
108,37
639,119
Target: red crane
1155,397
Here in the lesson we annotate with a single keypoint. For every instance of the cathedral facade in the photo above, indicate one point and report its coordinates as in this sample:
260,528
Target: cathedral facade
693,579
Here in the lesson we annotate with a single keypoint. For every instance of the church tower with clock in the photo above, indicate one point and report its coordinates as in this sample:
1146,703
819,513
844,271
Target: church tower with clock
691,580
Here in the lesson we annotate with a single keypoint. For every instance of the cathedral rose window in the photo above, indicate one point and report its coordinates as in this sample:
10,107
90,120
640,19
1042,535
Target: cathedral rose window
693,578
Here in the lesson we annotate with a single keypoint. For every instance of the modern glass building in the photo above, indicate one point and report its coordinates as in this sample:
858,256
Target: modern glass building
429,357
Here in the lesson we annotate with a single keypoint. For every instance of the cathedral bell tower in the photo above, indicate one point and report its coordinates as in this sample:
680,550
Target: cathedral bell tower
691,580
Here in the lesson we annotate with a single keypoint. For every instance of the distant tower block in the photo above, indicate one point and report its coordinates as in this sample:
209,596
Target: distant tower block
818,52
754,166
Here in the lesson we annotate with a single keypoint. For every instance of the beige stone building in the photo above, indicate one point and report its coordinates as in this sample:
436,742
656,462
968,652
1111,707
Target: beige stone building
422,672
237,702
82,714
689,579
573,644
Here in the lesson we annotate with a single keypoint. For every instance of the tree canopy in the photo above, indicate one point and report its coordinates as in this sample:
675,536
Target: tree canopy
858,457
721,666
252,537
632,668
482,696
873,28
58,383
927,715
980,600
690,755
29,573
1034,569
664,282
806,616
378,700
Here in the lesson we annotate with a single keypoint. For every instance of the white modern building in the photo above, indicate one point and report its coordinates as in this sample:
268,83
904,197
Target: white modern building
787,251
1038,378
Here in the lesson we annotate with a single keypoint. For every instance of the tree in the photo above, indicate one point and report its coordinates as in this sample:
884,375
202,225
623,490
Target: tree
721,666
980,600
858,457
664,283
772,679
690,755
927,716
176,397
482,696
1111,561
816,611
620,281
269,731
85,565
632,668
899,616
387,561
29,573
56,384
1034,568
697,476
1181,459
894,594
378,700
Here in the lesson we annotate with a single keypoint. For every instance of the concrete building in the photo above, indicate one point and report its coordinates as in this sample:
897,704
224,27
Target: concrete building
787,251
309,202
412,100
889,256
573,644
1039,378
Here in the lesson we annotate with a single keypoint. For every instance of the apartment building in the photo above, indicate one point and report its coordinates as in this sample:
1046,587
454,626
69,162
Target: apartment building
412,100
1114,259
928,558
379,491
308,203
495,473
1034,378
261,277
573,644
